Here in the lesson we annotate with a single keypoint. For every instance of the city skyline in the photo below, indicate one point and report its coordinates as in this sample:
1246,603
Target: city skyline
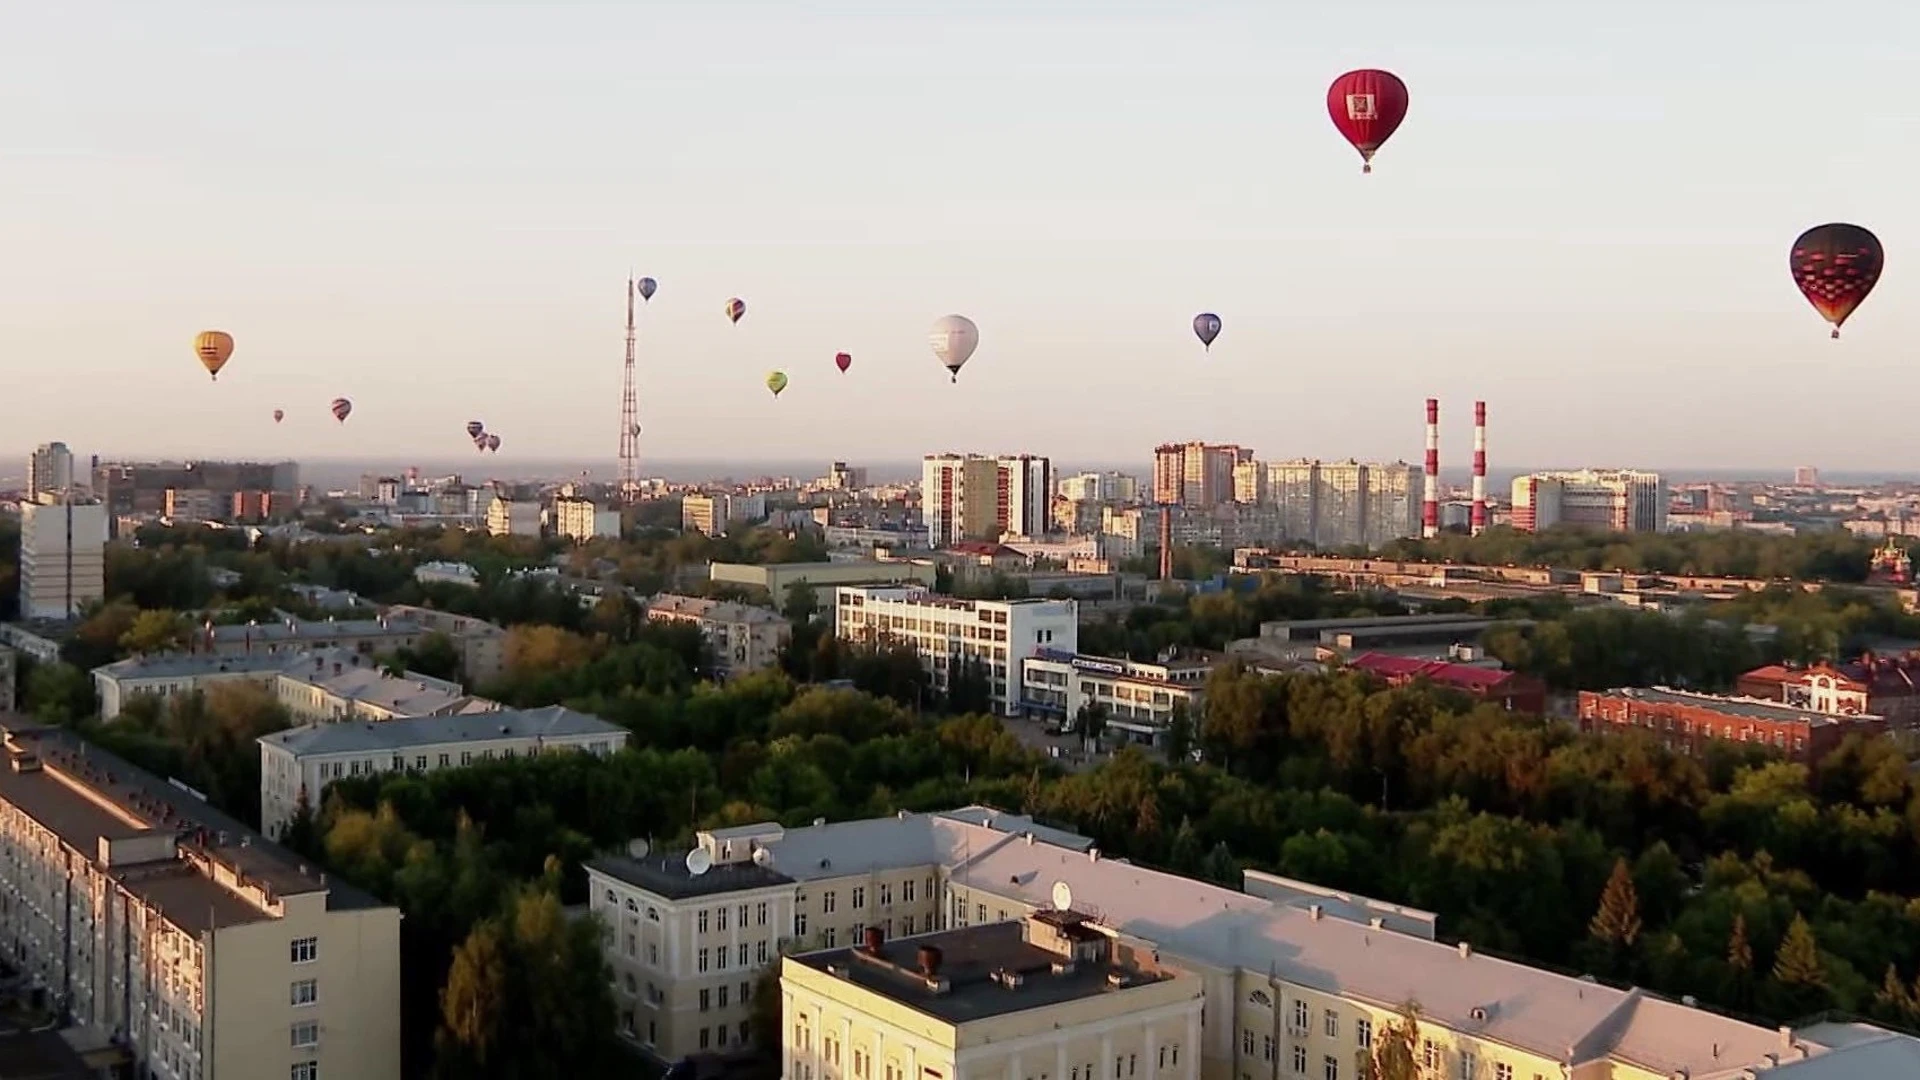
1580,224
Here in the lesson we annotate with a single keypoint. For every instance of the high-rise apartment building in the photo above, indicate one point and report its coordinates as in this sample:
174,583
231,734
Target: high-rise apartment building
1100,487
583,519
1336,504
207,950
63,558
1617,500
844,477
141,487
1195,473
49,470
974,497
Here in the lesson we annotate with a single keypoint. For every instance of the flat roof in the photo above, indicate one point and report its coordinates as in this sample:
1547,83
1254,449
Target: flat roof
369,736
969,957
1743,707
666,875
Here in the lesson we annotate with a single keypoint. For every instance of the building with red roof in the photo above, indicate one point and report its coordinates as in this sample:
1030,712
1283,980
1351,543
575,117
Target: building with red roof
1886,686
1684,721
1507,689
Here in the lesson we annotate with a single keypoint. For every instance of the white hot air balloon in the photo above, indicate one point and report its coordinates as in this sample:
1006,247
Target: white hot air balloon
954,338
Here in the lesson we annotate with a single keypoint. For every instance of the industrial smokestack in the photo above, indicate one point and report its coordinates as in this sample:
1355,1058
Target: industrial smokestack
1430,506
1479,467
1166,543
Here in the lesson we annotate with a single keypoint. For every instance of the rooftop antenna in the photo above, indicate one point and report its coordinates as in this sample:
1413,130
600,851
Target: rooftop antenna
699,861
1062,896
629,416
637,849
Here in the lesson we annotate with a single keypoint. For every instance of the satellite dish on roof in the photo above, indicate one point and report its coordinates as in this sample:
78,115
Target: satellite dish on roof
763,857
1062,896
699,861
637,849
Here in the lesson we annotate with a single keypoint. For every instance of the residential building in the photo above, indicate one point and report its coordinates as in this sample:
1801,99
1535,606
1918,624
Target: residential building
1100,487
1508,689
184,505
1686,721
513,517
208,950
715,514
297,764
1336,504
49,471
1618,500
9,679
370,637
946,632
1023,496
1136,698
63,558
842,477
1195,473
140,488
446,573
777,578
745,638
583,519
1049,986
481,644
1294,980
960,498
348,687
1873,685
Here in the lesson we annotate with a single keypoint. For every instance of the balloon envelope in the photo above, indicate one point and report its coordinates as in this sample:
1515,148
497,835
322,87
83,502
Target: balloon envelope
1836,266
1367,106
843,360
493,443
647,286
736,307
776,382
1206,327
279,415
341,407
954,337
474,428
213,347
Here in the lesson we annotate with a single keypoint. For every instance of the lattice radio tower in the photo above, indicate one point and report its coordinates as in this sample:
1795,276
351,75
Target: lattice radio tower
629,418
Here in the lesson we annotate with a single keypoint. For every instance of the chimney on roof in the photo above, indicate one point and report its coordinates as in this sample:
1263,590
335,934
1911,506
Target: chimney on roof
1466,950
928,957
1093,854
1315,911
874,938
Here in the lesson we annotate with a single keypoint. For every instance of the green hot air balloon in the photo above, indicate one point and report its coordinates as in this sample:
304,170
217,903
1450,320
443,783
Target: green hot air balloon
776,382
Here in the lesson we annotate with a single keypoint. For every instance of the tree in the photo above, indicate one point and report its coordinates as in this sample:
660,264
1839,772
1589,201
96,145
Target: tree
1617,923
1091,722
802,603
1739,950
1392,1056
1180,734
473,1004
1798,962
1221,867
154,631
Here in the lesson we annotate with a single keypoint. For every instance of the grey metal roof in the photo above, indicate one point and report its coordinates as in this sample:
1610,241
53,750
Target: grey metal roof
362,737
1742,707
666,875
180,665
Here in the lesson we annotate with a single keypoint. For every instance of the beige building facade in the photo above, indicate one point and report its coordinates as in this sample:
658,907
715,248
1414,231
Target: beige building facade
745,638
482,645
201,948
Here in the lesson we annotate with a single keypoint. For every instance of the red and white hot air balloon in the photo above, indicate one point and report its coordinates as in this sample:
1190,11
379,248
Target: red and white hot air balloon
1367,106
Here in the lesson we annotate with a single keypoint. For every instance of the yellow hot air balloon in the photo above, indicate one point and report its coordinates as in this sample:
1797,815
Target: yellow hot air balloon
776,382
213,347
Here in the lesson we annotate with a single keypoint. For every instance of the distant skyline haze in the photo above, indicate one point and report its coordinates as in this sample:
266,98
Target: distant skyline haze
432,209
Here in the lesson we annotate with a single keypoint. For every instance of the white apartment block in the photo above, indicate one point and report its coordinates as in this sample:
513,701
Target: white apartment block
297,764
715,514
945,631
509,517
972,497
369,637
63,558
583,519
204,950
1295,980
320,686
745,638
1139,699
49,471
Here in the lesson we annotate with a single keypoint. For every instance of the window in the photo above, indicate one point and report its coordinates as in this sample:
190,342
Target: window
1176,1053
1429,1054
1118,1060
1503,1071
305,992
653,954
706,1000
1246,1041
720,958
826,902
743,954
1300,1017
1332,1023
305,951
743,917
980,913
701,919
306,1034
1466,1065
799,924
703,959
858,933
653,914
906,891
906,923
305,1070
760,953
1330,1067
706,1038
1300,1060
420,763
759,913
859,897
721,997
631,905
746,991
720,919
833,935
1266,1048
1363,1033
886,895
1133,1063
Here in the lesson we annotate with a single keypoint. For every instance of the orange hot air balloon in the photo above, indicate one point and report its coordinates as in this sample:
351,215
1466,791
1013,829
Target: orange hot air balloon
213,347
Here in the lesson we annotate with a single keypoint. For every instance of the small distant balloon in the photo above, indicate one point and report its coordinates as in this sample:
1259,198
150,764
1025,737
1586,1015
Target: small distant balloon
954,337
1836,266
279,415
474,428
736,307
342,408
646,287
493,442
480,441
843,361
776,382
1367,106
213,347
1206,327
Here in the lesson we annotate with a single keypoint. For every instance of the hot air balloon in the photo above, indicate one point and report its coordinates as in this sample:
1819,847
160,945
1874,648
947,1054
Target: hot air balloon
954,338
474,428
341,408
647,286
279,415
1836,266
1367,106
776,382
736,307
843,360
1206,326
493,442
480,441
213,347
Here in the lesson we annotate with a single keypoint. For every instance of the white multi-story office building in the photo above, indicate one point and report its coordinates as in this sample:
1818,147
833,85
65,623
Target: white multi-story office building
299,763
63,558
584,519
1619,500
946,632
208,951
1138,698
49,471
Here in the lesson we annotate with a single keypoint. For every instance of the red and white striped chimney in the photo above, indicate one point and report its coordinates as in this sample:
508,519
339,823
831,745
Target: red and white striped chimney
1479,467
1430,506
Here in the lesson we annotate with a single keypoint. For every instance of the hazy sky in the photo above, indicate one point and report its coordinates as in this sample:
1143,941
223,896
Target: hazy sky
431,208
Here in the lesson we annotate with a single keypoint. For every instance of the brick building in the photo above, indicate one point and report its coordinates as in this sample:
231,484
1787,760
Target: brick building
1508,689
1886,686
1685,721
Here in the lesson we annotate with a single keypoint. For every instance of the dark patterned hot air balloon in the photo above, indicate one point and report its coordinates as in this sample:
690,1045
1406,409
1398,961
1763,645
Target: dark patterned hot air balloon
1367,106
843,361
736,307
493,442
474,428
1836,266
279,415
1206,327
646,287
341,409
480,441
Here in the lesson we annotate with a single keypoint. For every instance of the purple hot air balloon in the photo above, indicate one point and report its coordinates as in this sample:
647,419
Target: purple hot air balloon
474,428
493,443
1206,326
646,287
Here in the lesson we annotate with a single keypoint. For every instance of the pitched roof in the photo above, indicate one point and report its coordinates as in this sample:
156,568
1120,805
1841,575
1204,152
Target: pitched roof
359,737
1438,671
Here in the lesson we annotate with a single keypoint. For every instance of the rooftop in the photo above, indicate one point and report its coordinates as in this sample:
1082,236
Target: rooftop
717,610
666,875
316,630
1442,672
361,737
1743,707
